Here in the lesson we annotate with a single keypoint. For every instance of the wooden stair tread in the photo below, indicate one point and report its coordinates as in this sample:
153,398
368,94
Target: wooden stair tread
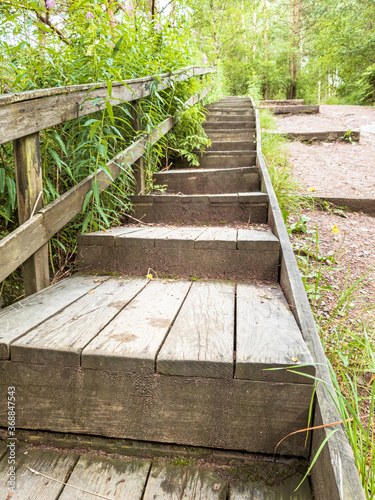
92,475
175,327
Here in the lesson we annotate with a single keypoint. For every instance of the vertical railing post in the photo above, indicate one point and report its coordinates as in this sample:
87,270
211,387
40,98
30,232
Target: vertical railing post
138,166
29,182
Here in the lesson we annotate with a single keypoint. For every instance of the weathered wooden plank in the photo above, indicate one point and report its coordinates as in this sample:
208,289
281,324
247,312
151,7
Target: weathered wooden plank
283,491
171,482
254,240
268,337
33,486
138,166
29,182
217,237
60,339
106,237
115,479
144,238
131,341
183,237
27,95
27,113
201,340
21,317
229,414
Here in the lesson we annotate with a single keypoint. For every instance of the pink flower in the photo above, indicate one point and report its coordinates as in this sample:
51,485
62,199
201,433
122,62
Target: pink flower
129,8
50,4
89,15
158,27
205,59
110,44
167,42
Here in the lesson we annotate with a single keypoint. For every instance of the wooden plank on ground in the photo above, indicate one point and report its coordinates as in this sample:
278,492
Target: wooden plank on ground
217,238
201,340
60,340
32,486
132,340
115,479
172,482
283,491
21,317
268,337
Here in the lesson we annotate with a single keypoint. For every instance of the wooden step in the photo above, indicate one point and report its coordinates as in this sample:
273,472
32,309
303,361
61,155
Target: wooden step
204,252
214,181
248,145
231,111
226,124
217,117
220,159
157,360
228,134
97,475
201,208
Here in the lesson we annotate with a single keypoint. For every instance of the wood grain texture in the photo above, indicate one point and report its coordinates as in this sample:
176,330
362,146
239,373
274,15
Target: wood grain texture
116,479
31,486
60,339
144,238
28,113
21,317
168,482
217,238
229,414
268,337
283,491
33,234
29,183
131,341
201,340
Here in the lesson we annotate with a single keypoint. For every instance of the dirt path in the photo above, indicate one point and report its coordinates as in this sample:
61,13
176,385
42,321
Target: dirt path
338,169
334,169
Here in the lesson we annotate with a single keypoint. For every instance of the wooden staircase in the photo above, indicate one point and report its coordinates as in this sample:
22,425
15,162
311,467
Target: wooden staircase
195,356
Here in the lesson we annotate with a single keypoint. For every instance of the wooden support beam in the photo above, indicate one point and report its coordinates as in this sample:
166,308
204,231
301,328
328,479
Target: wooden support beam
29,182
138,166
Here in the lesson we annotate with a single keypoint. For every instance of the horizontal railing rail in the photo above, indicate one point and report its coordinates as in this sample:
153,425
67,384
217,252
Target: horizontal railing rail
22,116
24,113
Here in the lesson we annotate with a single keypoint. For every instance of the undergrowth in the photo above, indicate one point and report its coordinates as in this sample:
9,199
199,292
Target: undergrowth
346,328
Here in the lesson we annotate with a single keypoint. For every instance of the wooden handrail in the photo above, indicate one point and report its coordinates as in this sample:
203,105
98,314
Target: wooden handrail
33,234
24,113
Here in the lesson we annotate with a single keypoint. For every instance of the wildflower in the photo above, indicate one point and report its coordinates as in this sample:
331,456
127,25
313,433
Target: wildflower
89,15
50,4
205,59
158,27
167,42
335,229
110,44
312,189
149,276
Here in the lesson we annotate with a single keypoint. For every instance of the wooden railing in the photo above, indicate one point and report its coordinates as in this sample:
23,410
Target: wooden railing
22,116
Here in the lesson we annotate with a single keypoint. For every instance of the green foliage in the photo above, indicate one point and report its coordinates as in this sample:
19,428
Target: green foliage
87,41
189,135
